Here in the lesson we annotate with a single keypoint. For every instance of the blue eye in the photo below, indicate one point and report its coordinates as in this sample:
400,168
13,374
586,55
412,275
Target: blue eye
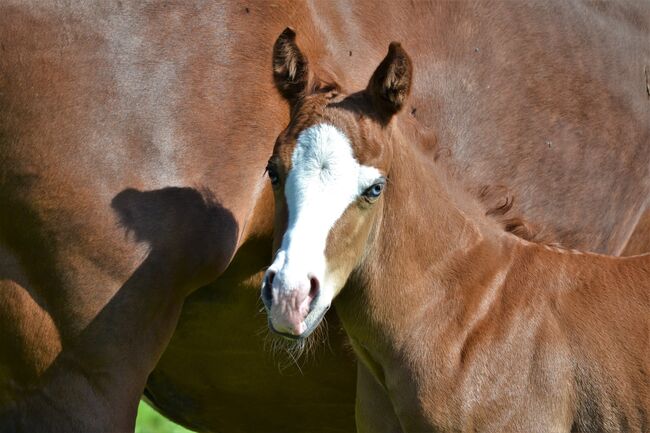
374,191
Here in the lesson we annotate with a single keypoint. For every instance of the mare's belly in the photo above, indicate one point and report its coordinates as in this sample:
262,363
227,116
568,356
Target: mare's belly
219,373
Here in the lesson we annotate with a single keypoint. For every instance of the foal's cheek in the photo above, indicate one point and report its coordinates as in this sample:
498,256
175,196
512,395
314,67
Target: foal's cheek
347,242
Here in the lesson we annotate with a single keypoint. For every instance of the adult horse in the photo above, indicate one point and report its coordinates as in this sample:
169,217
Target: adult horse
133,137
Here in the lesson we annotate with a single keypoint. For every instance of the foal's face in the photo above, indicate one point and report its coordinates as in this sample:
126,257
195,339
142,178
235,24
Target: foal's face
327,193
328,170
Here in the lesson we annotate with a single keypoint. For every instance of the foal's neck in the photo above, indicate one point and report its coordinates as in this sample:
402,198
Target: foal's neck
434,248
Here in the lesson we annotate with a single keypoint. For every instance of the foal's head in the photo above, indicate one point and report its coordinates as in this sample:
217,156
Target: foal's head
328,170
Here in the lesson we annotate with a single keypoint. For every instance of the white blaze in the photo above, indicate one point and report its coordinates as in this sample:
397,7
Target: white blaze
325,178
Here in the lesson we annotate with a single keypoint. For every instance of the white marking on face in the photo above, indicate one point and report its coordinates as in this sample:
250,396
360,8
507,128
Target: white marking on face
325,178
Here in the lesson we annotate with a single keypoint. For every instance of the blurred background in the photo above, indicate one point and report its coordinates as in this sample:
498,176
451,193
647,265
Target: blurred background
150,421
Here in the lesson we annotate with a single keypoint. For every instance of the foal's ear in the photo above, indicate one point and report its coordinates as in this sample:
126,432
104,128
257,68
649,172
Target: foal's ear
391,82
290,69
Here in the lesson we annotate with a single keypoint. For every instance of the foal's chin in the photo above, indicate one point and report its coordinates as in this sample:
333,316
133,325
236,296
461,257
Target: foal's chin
291,348
312,322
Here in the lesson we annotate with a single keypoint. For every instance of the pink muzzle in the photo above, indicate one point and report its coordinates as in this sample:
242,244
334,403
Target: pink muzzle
289,304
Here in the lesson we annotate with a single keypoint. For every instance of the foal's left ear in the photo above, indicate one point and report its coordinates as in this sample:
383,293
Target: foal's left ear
391,82
290,67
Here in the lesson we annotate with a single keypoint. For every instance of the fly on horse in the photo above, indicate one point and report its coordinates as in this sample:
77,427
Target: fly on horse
465,326
131,175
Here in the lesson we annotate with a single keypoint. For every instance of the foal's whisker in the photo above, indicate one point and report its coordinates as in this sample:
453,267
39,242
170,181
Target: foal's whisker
295,361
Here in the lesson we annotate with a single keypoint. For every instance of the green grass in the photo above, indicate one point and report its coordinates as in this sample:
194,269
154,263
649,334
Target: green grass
150,421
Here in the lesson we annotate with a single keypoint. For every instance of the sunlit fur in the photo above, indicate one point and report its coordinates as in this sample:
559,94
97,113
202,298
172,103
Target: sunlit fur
98,97
463,326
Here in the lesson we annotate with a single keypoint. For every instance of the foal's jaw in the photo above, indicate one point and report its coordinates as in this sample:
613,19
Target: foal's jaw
325,179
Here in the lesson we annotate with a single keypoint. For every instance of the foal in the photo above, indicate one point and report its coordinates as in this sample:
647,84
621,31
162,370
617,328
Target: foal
465,326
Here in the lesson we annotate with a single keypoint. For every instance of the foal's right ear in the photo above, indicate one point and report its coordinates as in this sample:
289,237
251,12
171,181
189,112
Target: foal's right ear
391,82
290,69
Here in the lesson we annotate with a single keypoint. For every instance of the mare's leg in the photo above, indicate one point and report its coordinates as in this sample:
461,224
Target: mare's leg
46,385
374,410
87,306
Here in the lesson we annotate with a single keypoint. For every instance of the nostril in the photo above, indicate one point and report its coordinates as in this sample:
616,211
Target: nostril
315,287
267,296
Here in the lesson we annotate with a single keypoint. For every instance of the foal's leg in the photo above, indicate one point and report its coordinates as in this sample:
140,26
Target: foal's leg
374,410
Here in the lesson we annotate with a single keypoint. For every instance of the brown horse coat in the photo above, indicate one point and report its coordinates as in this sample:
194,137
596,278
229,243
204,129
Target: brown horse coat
133,137
464,326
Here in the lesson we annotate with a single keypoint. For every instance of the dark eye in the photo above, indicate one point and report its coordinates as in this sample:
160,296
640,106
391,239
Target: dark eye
374,191
273,175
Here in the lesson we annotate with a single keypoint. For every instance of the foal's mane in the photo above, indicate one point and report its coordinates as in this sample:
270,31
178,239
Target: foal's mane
497,201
